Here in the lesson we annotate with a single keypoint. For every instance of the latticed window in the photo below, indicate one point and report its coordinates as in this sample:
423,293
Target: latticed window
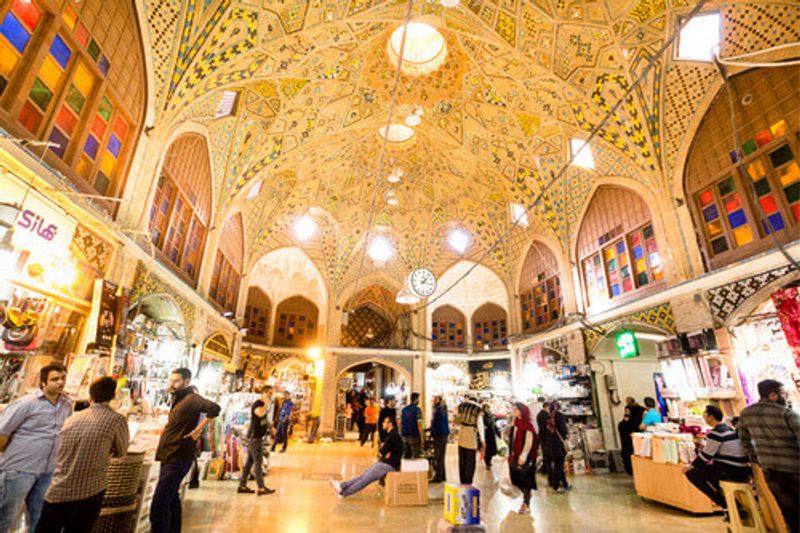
617,246
296,323
490,328
737,208
86,95
539,289
256,315
226,277
448,329
367,328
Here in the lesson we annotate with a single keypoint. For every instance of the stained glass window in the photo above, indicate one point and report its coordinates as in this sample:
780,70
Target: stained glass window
16,30
787,171
595,278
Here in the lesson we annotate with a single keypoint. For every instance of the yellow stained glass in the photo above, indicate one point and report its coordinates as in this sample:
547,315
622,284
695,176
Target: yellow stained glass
779,129
84,167
8,58
83,80
610,253
50,73
640,265
742,235
756,170
107,164
714,228
657,274
790,173
70,17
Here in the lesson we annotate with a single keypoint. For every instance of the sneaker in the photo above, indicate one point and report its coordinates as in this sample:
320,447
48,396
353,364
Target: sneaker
337,487
561,490
524,509
245,490
266,491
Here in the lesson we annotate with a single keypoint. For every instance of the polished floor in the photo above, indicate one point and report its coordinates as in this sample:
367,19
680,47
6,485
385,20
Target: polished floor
305,503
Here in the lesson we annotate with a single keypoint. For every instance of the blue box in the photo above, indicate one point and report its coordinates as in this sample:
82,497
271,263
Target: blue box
462,504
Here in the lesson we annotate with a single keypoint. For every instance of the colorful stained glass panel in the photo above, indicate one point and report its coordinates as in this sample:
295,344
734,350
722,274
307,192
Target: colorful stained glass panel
27,12
60,51
61,142
40,94
13,30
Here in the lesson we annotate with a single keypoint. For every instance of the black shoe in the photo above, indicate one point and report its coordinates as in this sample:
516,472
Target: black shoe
245,490
194,485
437,480
266,491
283,450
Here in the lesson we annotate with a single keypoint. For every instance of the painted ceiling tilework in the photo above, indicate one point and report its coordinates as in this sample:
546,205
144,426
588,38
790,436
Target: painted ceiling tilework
520,80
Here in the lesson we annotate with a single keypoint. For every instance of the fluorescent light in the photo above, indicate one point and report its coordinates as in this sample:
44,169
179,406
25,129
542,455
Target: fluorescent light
226,104
304,228
459,240
699,37
582,153
255,189
380,250
519,215
655,337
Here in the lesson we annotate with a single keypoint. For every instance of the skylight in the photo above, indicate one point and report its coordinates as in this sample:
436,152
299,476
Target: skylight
304,228
255,189
424,51
227,103
459,240
699,37
582,153
380,250
519,215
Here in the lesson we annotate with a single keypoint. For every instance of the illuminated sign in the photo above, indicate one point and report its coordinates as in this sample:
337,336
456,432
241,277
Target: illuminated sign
40,226
627,346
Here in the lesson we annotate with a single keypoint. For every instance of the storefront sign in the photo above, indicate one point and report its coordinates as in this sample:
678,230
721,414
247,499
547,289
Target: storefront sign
490,374
627,346
107,321
42,227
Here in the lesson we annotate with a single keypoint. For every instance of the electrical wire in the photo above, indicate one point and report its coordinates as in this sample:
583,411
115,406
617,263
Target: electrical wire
593,133
735,60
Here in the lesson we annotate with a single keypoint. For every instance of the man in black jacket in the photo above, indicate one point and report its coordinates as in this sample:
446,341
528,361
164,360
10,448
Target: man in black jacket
177,448
391,453
389,411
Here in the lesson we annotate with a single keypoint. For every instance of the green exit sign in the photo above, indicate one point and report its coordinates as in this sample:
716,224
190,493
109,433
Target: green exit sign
627,346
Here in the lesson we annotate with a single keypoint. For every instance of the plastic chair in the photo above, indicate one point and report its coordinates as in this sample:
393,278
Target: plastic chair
741,495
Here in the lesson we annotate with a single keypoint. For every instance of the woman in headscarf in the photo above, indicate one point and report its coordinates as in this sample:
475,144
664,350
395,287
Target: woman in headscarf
489,436
522,458
626,429
554,447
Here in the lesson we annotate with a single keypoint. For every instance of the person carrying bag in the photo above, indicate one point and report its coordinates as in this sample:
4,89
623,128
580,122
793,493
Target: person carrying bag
522,457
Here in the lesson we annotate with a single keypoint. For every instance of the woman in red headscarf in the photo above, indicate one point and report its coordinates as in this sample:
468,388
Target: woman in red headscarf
522,459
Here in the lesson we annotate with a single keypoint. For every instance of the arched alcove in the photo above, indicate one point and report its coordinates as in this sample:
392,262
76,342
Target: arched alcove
489,328
296,323
540,292
448,329
257,316
227,273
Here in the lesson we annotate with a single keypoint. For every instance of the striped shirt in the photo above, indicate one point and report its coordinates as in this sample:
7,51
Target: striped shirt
770,434
723,446
470,420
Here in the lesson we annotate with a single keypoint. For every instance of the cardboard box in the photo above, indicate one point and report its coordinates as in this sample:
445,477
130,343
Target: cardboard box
462,504
414,465
406,488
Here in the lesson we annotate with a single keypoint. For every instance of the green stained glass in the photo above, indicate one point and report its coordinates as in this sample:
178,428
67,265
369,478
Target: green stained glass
726,186
75,100
40,94
793,192
93,49
106,109
762,187
749,147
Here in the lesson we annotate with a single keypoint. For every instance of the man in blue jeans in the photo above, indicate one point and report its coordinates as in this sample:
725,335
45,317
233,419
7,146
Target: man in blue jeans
391,453
177,448
29,431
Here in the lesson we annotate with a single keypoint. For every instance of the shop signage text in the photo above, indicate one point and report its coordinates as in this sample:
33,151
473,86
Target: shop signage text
627,346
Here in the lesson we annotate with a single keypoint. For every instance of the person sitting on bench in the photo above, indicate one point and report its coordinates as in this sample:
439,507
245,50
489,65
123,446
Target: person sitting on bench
390,455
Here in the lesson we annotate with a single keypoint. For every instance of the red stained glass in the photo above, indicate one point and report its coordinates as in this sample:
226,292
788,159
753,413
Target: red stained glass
768,204
98,126
627,284
66,120
82,34
706,197
796,211
120,128
636,239
28,13
732,203
30,117
763,138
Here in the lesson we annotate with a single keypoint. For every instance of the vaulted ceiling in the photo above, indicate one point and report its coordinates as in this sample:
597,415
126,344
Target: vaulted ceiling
521,78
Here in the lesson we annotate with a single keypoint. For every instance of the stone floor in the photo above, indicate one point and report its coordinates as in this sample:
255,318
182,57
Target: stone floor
305,502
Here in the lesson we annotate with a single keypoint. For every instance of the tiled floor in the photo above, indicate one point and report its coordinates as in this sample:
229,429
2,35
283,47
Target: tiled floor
305,502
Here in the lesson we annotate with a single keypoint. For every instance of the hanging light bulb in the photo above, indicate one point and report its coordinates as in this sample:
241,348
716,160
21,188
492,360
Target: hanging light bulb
390,196
450,3
405,297
413,120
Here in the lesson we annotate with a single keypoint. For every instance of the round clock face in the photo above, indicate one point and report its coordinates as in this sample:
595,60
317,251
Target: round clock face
422,282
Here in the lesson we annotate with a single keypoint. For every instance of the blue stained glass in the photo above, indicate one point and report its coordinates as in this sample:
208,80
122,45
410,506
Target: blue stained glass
638,252
114,145
777,222
15,32
60,51
710,213
615,290
737,218
621,247
91,146
60,140
103,65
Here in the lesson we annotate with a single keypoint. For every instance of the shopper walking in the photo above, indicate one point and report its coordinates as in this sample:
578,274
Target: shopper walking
88,441
652,416
469,438
389,411
541,425
412,427
722,458
177,448
390,455
260,425
636,411
370,423
554,447
770,433
440,432
284,424
626,428
489,436
523,444
29,440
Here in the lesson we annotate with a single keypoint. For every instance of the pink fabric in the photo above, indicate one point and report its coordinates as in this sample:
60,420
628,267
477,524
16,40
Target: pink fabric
787,303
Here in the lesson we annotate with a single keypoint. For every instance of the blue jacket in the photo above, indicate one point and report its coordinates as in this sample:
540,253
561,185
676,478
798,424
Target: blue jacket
440,425
411,414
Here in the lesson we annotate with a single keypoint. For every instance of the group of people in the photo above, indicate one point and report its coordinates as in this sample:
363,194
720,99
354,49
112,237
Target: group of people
635,418
54,462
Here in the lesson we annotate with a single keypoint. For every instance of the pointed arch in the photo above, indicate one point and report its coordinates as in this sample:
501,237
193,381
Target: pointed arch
489,328
257,315
296,323
448,329
541,297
